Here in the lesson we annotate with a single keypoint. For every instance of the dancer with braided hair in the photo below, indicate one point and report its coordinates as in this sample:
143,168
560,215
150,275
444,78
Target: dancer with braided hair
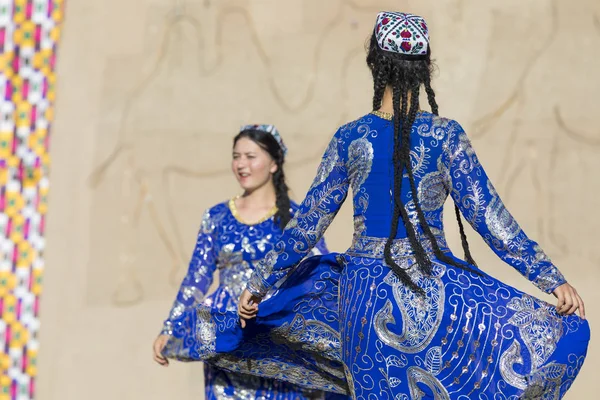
232,236
398,316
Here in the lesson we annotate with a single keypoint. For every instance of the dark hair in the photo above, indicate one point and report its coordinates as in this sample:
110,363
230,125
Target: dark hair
404,75
266,141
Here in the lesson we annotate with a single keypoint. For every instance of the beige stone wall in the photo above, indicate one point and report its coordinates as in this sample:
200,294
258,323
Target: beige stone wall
152,91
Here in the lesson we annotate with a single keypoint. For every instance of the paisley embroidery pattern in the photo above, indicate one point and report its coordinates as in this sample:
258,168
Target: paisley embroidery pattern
417,376
330,159
499,221
433,191
421,316
360,160
509,358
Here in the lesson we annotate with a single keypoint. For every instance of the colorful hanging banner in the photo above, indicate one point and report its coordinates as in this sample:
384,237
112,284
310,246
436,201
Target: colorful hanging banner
29,33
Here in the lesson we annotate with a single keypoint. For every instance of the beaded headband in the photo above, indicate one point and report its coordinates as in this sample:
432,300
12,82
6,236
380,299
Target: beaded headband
268,129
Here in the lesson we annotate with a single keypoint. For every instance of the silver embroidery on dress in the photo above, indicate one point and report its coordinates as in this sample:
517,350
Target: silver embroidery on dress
498,219
360,161
421,315
330,160
312,335
433,191
417,376
508,359
540,328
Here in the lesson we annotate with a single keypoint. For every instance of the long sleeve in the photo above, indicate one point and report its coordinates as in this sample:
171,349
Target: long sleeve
480,204
322,202
199,275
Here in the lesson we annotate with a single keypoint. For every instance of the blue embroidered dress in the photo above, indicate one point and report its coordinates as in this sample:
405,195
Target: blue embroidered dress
229,245
346,323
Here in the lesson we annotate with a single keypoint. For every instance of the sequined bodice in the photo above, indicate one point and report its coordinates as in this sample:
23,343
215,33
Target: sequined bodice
232,247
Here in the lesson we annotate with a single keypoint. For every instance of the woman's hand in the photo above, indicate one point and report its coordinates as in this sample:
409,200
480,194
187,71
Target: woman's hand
159,345
568,300
247,307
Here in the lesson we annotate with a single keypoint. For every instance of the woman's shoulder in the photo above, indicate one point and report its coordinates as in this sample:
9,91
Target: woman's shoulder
376,117
367,119
427,124
435,120
437,127
217,209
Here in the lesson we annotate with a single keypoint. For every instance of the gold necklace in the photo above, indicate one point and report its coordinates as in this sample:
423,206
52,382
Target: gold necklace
387,115
237,216
384,115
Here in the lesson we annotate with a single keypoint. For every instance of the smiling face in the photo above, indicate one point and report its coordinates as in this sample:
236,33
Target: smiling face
252,166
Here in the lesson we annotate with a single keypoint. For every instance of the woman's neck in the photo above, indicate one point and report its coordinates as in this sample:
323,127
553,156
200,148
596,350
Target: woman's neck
262,197
387,103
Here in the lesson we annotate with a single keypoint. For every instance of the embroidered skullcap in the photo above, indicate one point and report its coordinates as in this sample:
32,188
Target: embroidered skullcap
402,33
268,129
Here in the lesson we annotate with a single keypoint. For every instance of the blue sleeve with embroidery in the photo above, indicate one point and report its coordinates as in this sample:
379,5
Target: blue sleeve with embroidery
199,276
481,205
322,202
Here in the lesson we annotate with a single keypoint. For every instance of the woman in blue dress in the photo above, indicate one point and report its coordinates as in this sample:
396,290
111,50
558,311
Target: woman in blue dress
233,235
398,316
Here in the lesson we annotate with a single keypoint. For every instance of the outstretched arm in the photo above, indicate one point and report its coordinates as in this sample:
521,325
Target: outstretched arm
199,276
481,205
322,202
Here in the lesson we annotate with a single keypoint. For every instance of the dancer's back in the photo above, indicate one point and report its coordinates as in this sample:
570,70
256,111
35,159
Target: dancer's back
366,149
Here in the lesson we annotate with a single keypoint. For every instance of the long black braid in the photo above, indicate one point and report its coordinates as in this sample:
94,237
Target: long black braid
463,235
405,77
270,145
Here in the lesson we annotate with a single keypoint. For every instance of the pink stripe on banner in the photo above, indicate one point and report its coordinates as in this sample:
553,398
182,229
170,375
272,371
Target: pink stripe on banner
15,254
9,227
25,89
14,145
26,228
29,9
38,34
33,116
8,333
25,360
8,91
